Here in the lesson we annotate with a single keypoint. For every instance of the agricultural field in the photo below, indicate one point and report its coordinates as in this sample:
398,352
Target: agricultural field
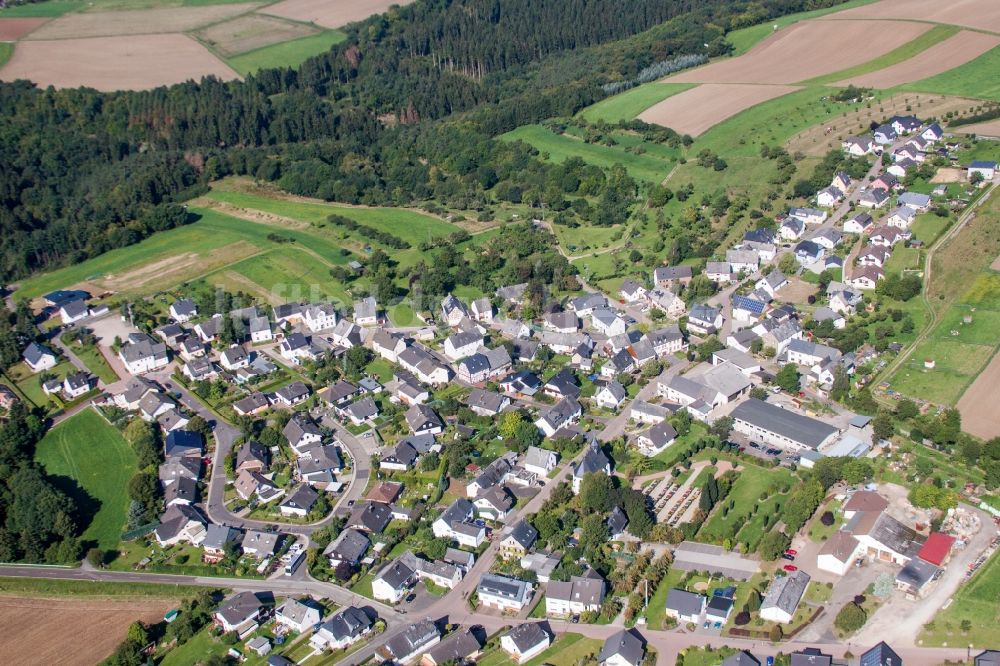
79,25
331,13
976,78
696,110
977,14
629,104
974,603
250,32
746,38
649,166
286,54
94,463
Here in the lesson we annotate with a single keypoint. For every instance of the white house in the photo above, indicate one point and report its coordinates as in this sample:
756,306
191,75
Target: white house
684,606
260,330
829,196
39,357
297,616
902,217
631,291
783,597
610,396
319,317
809,215
540,461
143,355
862,223
838,553
464,343
393,582
525,641
580,594
792,229
607,322
656,439
987,169
858,146
183,310
503,593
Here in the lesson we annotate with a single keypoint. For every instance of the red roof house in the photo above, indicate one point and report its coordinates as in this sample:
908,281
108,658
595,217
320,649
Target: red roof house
935,550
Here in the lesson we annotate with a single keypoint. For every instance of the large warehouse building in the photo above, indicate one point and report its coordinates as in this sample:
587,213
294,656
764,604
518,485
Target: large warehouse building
764,422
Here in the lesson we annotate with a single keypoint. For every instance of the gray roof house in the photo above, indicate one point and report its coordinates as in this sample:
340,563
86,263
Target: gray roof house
741,658
880,655
811,657
621,648
783,597
683,605
349,546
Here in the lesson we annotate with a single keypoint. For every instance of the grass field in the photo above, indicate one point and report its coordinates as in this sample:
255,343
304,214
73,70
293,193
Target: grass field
975,603
90,452
746,492
54,587
31,384
629,104
937,34
290,273
976,78
746,38
566,650
6,51
558,148
286,54
96,363
41,9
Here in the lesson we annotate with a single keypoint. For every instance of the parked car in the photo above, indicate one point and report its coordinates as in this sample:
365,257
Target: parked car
790,558
706,625
790,567
791,551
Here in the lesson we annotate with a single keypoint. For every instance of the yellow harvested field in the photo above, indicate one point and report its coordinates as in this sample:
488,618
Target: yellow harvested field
77,25
806,50
114,63
952,52
69,632
696,110
978,404
251,31
330,13
990,128
978,14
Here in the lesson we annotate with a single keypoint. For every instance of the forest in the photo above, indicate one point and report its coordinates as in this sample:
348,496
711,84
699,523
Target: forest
406,110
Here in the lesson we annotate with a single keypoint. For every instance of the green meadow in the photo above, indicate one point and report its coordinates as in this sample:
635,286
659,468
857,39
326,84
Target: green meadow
286,54
976,78
629,104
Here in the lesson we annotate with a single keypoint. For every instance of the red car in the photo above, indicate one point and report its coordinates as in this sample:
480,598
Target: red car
790,567
791,551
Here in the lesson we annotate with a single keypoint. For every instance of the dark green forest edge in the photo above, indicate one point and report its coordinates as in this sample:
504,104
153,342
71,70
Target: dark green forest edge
406,111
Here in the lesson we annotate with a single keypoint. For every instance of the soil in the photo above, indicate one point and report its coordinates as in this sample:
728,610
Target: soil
696,110
948,175
330,13
13,29
78,25
989,128
253,31
980,14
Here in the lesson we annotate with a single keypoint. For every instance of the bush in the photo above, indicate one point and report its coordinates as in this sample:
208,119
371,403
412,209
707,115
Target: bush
827,518
742,618
850,618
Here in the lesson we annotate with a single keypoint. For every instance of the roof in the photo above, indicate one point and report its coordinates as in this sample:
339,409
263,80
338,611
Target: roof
296,610
841,546
396,574
684,602
217,536
935,550
983,164
584,590
348,623
804,430
749,304
881,655
524,534
421,416
412,639
741,658
988,658
786,592
370,516
594,461
810,657
528,635
262,542
866,500
916,573
350,545
181,442
626,644
456,647
661,273
385,492
537,457
243,605
303,497
660,434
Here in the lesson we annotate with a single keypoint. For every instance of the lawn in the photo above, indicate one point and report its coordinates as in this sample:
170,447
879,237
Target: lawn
94,464
6,51
976,78
746,38
31,384
290,274
49,9
96,363
566,650
820,532
54,587
928,227
286,54
629,104
746,491
560,147
935,35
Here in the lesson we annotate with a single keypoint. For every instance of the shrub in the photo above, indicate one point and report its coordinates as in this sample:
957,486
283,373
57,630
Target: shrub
827,518
850,618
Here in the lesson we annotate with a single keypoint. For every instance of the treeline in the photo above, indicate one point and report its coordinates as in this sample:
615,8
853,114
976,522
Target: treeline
383,237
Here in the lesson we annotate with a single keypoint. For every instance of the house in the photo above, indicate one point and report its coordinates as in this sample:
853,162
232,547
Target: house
143,355
513,294
455,523
663,299
492,475
563,384
349,546
78,384
933,132
460,647
260,330
783,428
656,439
154,405
901,166
346,334
668,276
593,461
393,582
884,538
217,539
631,291
183,310
617,523
260,545
252,457
809,215
905,124
838,553
873,255
179,468
301,433
522,383
886,182
526,641
540,461
361,411
808,353
985,168
936,549
319,317
255,403
411,643
371,517
366,311
199,368
482,310
743,261
473,369
842,181
580,594
607,322
494,503
422,420
503,593
39,357
610,396
512,329
862,223
858,146
811,657
208,330
387,345
73,311
296,348
292,394
867,277
561,322
884,134
408,390
880,655
873,198
559,415
462,344
719,271
704,319
808,252
828,238
424,365
783,596
183,490
235,357
519,541
182,443
339,394
641,411
684,606
902,217
622,648
915,200
191,348
669,340
300,502
453,310
829,196
243,612
741,658
719,608
487,403
792,229
342,630
181,523
297,615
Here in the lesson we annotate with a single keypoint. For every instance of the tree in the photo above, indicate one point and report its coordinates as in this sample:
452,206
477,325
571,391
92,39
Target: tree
788,264
776,633
200,425
722,427
596,492
906,409
883,585
882,427
788,378
145,489
509,423
841,387
850,618
772,545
